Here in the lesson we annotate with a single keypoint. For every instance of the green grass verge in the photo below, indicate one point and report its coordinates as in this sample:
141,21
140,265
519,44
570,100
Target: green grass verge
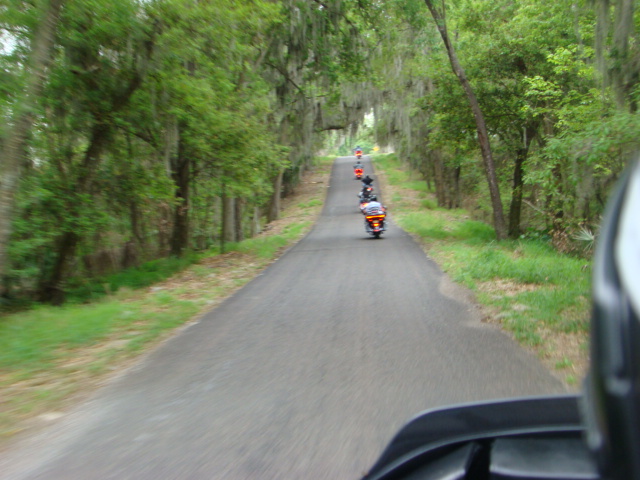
34,339
41,338
268,246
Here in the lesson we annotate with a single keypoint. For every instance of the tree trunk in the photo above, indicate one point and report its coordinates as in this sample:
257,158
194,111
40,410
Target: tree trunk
481,126
136,228
273,210
439,178
51,290
555,203
584,192
12,150
274,206
515,209
623,34
228,219
181,174
238,214
457,197
255,221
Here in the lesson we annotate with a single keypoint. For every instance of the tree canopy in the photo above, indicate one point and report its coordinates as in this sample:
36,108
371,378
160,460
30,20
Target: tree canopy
134,130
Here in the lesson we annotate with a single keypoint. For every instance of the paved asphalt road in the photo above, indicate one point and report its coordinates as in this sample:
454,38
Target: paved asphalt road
305,373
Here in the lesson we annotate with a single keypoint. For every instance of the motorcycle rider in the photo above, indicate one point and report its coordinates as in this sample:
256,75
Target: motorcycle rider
367,188
374,207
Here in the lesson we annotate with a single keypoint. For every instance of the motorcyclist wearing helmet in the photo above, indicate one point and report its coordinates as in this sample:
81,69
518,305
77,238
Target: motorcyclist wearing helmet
367,189
374,207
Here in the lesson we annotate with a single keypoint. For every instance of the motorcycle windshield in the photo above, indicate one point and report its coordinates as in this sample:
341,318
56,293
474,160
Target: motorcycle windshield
452,426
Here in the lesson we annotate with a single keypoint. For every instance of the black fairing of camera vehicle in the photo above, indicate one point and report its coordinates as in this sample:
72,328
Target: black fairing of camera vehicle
575,437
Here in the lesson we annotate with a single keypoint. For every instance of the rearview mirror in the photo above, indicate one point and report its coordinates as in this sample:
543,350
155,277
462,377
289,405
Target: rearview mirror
611,404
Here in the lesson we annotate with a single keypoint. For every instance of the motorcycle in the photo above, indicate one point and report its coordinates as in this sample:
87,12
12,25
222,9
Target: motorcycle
364,202
374,224
364,197
591,436
358,154
367,191
358,173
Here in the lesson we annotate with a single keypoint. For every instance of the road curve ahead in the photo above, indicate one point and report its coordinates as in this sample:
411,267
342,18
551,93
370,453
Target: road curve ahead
305,373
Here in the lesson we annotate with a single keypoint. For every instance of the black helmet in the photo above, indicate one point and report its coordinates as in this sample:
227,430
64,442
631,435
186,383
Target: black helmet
611,404
373,198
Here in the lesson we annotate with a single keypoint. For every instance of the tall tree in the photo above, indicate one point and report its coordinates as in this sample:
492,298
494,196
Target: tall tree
438,14
617,48
12,147
212,88
102,86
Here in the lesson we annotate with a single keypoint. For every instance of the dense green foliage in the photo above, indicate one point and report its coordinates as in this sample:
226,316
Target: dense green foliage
161,127
149,129
560,133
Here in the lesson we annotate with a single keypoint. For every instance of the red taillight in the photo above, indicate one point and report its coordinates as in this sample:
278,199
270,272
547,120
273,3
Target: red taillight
375,217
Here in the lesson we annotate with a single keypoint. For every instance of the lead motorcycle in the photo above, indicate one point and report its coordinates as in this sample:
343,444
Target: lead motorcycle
374,225
374,217
593,436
